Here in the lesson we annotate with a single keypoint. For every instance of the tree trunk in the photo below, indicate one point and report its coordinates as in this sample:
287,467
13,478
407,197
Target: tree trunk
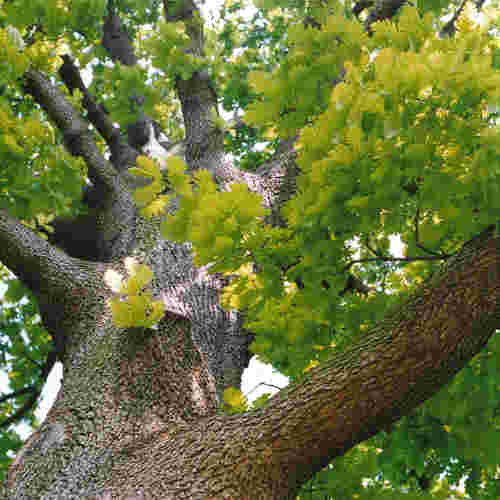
136,416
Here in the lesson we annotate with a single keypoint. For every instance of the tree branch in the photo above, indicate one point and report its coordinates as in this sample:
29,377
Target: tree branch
115,39
15,394
122,154
35,393
204,139
382,9
31,258
73,128
19,414
405,359
449,28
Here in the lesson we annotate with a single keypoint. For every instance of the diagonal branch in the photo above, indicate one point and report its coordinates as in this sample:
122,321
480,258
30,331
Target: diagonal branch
122,154
401,362
72,126
109,229
449,28
19,414
405,359
31,258
16,394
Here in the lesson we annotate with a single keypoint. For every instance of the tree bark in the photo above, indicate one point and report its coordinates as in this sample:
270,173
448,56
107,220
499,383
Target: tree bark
136,416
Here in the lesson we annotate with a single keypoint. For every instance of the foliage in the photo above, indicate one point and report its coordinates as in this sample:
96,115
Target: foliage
405,146
24,346
133,304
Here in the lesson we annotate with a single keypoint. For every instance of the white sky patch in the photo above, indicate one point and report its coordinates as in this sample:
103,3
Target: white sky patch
49,391
255,378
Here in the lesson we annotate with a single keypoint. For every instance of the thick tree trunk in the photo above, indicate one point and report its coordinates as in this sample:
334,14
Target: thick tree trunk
136,414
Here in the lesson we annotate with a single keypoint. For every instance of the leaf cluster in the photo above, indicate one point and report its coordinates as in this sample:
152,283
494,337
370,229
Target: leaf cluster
133,305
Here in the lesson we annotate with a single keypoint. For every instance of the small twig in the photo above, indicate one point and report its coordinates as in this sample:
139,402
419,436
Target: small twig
35,393
23,410
419,245
394,259
265,384
36,363
354,284
449,28
374,251
16,394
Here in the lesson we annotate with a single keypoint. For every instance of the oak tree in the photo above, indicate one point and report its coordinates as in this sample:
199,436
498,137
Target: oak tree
315,183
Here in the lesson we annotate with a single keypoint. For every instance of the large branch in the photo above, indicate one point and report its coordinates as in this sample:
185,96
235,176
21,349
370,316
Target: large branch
115,38
275,180
204,140
119,48
113,226
72,126
402,362
122,154
31,258
56,280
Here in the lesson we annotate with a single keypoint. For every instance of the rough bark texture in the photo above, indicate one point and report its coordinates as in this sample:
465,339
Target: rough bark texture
136,416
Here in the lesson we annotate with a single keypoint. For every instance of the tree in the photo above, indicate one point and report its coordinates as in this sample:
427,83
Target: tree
193,248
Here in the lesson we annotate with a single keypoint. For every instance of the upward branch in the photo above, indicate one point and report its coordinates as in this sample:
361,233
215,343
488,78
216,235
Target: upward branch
204,139
110,228
73,127
32,259
411,354
122,154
